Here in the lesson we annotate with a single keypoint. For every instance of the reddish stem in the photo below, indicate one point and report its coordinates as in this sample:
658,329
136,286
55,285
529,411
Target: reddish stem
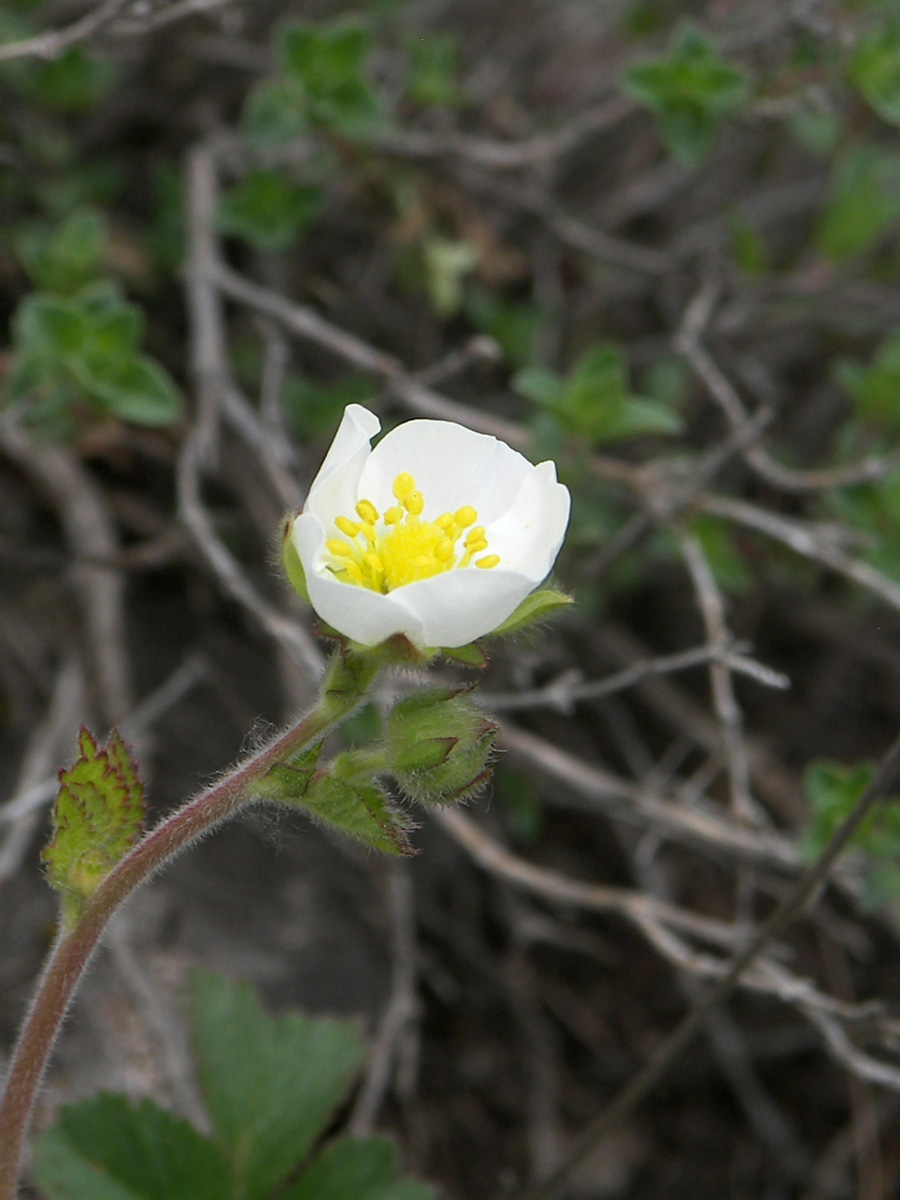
73,949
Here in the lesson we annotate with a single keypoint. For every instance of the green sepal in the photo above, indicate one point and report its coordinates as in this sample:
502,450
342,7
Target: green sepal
293,567
469,656
347,798
97,818
535,607
439,744
424,755
289,781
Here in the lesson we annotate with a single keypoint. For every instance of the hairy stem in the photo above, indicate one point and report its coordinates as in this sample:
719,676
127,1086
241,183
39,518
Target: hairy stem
344,687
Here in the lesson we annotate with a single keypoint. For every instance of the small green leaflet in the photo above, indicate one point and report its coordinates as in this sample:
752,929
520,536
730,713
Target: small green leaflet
97,818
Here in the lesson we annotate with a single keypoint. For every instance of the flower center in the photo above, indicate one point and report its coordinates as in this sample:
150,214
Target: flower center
386,552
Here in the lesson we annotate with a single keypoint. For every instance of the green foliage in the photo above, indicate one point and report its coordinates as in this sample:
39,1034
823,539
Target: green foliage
863,201
515,325
433,70
359,1169
594,400
321,83
874,69
875,390
80,355
97,818
268,210
690,91
832,791
66,257
272,1087
74,82
107,1149
314,408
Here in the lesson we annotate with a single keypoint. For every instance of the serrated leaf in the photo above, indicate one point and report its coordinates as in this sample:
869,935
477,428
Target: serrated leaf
97,817
271,1084
107,1149
358,1169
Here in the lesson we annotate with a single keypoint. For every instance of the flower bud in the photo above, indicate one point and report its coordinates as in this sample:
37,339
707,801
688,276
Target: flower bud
439,745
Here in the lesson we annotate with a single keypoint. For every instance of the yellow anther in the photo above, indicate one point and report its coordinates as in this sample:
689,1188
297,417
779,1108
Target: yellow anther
382,553
403,485
345,525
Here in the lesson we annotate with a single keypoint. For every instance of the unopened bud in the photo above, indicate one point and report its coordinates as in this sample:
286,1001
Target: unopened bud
439,745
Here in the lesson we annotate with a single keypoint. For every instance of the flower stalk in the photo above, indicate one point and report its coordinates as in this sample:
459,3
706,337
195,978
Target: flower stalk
347,681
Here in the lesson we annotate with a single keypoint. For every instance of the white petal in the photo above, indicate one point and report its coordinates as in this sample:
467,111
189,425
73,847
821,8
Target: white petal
452,466
529,534
365,616
333,492
456,607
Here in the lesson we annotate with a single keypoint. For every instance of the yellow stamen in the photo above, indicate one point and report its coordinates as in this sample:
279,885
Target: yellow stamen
384,553
403,485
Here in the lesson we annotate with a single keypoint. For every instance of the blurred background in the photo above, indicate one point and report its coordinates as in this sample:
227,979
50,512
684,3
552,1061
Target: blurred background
655,241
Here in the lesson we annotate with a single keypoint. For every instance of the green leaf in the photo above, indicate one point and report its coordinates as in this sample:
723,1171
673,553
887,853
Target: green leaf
73,82
360,1169
272,1084
541,386
433,70
97,818
107,1149
353,803
65,257
321,84
137,389
594,401
875,390
874,69
268,210
536,607
690,91
863,201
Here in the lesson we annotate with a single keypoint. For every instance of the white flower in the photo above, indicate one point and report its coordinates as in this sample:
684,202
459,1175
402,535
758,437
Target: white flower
439,533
